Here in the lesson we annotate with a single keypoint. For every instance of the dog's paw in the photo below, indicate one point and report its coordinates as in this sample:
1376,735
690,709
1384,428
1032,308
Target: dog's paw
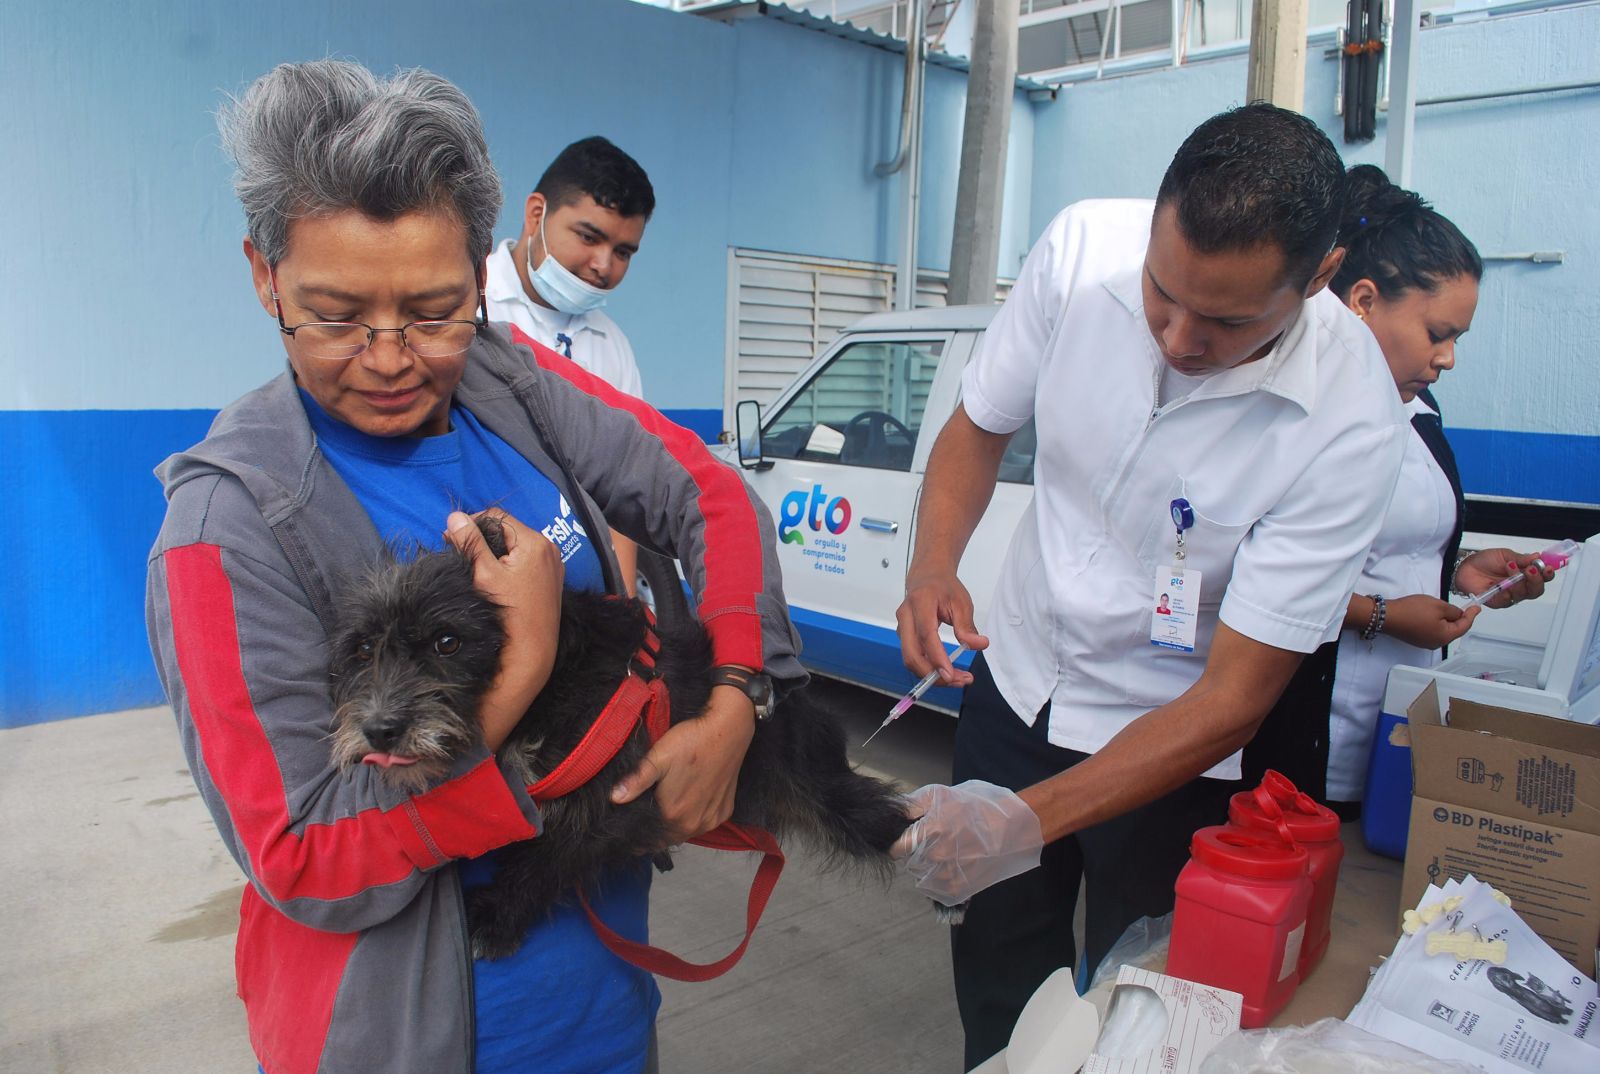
662,860
949,915
490,944
491,932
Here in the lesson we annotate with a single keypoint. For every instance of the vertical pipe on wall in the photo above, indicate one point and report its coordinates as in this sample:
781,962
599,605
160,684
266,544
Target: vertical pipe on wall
906,276
905,279
909,158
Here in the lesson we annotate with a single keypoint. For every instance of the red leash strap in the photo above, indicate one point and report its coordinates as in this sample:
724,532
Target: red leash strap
729,836
634,700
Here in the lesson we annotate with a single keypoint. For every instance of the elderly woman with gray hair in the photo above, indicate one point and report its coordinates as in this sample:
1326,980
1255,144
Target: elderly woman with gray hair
370,205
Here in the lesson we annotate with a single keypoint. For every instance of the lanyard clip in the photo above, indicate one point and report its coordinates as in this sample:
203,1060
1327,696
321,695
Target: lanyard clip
1182,518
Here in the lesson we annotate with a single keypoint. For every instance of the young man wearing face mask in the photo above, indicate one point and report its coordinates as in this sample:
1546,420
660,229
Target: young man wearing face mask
581,227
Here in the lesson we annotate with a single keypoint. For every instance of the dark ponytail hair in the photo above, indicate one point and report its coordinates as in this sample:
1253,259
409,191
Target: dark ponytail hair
1397,240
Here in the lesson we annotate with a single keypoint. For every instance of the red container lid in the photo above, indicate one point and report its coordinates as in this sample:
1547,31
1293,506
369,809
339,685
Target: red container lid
1321,825
1248,853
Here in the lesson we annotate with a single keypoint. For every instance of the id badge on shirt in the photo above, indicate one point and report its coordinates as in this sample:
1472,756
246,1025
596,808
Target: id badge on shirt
1176,597
1176,601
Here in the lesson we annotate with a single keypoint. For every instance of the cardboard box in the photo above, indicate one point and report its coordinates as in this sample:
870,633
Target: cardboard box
1513,799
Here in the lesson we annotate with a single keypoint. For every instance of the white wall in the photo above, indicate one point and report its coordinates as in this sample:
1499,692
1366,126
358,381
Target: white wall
1517,174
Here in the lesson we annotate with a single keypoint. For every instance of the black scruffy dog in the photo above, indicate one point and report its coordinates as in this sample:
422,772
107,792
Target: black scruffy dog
418,645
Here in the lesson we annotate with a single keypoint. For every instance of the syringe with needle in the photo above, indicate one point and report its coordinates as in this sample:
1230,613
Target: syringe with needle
916,692
1555,557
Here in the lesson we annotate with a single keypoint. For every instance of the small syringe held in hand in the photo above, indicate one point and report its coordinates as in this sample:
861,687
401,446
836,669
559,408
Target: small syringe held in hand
905,703
1555,557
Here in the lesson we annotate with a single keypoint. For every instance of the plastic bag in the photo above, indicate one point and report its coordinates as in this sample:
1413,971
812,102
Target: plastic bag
1142,944
1331,1046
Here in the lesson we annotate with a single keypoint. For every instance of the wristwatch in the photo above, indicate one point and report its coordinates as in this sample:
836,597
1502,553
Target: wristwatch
754,684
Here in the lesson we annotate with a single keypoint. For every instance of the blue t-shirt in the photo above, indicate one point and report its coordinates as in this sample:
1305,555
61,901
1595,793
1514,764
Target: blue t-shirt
562,1003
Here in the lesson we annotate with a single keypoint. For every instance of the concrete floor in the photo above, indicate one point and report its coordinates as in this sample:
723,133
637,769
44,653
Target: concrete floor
120,907
116,944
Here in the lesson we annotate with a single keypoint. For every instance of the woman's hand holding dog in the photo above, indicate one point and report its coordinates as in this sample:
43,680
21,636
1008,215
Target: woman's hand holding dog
695,765
526,583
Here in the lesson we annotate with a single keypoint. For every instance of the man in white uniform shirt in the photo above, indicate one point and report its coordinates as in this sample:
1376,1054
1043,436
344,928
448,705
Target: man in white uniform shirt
1188,373
581,227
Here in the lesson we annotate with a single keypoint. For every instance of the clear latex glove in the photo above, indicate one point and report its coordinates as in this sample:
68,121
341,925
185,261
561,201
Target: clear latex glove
967,838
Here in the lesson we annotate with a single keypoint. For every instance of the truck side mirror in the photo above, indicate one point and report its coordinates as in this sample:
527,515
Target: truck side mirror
747,432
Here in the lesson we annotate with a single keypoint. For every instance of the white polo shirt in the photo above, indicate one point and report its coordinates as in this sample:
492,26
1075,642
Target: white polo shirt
598,345
1288,463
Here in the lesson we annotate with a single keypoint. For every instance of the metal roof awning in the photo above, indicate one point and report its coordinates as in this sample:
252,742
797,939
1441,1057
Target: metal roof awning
732,10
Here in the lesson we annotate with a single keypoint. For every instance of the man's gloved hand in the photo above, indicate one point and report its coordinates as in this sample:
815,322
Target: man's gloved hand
967,838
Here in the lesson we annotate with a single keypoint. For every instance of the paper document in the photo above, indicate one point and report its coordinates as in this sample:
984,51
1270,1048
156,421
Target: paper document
1534,1012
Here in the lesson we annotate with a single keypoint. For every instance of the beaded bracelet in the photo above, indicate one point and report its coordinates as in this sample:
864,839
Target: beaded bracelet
1380,613
1461,557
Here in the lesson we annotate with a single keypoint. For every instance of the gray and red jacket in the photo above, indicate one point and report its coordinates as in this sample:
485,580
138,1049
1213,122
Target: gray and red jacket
352,952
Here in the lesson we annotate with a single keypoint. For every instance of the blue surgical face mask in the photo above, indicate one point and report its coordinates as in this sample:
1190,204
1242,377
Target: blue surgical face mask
557,286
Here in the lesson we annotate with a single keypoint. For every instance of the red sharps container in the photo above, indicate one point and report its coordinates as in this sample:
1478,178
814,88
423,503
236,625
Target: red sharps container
1276,806
1241,917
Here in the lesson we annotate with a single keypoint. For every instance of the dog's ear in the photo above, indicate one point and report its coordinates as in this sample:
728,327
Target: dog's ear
494,534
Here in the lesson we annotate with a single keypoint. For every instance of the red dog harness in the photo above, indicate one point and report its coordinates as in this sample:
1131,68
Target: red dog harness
642,697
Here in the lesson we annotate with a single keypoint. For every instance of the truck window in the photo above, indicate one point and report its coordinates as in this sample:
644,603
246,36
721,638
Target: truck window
863,408
1016,465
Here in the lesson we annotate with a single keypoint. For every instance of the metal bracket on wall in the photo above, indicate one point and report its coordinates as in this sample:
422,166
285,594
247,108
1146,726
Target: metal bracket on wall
1337,52
1538,257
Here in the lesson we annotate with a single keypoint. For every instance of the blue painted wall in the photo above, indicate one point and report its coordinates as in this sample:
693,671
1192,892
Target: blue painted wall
756,133
1516,174
813,116
801,159
121,205
84,510
127,296
130,320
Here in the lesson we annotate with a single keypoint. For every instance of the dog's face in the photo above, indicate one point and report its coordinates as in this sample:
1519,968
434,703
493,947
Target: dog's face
416,648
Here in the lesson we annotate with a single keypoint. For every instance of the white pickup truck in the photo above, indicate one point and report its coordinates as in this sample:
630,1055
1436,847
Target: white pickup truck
839,458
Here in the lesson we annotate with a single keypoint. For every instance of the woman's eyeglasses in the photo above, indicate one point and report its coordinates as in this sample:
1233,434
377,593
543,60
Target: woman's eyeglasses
339,341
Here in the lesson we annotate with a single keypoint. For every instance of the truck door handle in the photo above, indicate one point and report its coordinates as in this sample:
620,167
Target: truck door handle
879,525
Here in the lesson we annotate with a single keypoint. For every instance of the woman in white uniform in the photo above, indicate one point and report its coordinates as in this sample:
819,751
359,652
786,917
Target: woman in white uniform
1412,276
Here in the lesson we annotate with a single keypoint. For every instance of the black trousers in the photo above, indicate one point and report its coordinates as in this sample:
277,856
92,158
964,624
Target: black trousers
1293,738
1019,932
